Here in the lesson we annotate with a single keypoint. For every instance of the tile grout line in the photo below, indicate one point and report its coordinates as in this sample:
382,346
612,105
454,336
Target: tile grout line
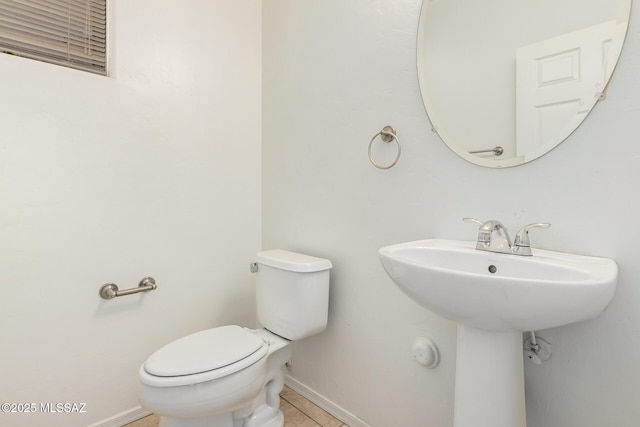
301,411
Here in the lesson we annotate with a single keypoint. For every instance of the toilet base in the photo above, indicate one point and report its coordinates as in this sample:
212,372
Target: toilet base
220,421
255,420
277,421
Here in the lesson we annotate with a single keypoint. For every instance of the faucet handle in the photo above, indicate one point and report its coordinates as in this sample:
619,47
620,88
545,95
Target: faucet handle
483,236
473,221
488,227
522,242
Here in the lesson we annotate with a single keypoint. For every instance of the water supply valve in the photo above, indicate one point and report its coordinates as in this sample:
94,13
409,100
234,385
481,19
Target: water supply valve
536,349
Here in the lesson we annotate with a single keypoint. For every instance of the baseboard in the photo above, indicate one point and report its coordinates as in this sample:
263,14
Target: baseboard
324,403
340,413
123,418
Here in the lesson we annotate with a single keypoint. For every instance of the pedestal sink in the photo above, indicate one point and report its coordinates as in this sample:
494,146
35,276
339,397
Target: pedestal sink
495,297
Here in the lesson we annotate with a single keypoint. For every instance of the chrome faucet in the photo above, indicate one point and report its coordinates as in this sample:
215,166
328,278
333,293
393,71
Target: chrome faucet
493,237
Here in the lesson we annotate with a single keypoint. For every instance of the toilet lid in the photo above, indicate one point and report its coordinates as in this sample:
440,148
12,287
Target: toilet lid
203,351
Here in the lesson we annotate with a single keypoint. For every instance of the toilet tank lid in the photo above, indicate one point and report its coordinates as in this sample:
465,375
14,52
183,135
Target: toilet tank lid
292,261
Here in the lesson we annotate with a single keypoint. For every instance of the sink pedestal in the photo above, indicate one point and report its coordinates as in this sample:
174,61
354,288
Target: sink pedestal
489,389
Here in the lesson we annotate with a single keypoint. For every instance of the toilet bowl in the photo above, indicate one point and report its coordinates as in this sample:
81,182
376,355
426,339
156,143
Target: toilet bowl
173,385
231,376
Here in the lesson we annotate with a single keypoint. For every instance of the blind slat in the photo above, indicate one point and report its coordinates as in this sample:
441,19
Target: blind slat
63,32
50,20
53,49
9,25
77,8
12,15
65,47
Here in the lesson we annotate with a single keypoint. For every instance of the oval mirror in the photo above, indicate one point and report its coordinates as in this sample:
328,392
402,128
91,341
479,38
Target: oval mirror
505,81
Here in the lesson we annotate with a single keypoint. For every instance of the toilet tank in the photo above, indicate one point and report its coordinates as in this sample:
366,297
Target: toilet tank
292,293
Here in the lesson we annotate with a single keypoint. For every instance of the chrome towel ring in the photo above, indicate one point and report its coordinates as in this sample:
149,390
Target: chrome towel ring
387,134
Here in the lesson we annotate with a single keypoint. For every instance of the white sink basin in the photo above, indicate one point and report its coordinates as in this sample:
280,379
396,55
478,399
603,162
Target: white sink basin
495,297
501,292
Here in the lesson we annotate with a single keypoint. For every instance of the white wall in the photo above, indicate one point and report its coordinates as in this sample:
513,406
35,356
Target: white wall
152,171
162,177
334,73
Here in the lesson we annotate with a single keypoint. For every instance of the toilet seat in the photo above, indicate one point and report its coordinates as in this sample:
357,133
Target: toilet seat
203,356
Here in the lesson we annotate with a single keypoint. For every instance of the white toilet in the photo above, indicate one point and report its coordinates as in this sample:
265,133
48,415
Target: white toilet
231,376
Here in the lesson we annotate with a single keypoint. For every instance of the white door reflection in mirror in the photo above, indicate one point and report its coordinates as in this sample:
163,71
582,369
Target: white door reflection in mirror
558,81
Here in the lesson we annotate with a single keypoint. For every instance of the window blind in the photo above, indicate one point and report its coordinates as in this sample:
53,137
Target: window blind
64,32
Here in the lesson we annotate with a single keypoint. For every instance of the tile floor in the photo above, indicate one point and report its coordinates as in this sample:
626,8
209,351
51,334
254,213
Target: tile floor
298,412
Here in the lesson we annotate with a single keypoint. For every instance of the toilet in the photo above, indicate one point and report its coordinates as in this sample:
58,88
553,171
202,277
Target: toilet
231,376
